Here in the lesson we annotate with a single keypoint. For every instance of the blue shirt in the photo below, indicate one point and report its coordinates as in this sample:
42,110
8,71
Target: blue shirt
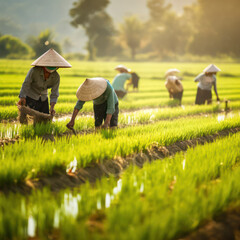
119,81
109,95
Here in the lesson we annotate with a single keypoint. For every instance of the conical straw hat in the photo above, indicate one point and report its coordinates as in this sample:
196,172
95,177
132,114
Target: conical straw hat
211,68
51,59
121,67
91,88
171,70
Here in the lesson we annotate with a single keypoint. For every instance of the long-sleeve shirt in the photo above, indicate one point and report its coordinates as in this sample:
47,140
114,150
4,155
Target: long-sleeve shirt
119,81
109,95
35,86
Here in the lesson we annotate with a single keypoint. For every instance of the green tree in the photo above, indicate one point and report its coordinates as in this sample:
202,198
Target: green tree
132,33
98,25
43,42
12,47
157,9
216,25
170,33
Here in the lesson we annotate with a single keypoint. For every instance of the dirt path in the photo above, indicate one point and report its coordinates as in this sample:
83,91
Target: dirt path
60,179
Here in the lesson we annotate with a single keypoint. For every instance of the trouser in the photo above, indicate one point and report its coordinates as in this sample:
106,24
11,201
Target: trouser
178,96
100,114
38,105
120,93
203,96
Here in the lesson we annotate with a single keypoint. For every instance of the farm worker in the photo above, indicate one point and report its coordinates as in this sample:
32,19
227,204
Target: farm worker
134,80
174,85
120,79
34,91
206,80
105,102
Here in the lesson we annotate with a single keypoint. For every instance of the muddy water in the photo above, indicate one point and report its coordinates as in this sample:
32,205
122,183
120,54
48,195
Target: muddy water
227,115
70,207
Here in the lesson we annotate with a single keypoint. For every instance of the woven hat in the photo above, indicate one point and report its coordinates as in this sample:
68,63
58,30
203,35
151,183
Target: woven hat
121,67
171,70
91,88
211,68
51,59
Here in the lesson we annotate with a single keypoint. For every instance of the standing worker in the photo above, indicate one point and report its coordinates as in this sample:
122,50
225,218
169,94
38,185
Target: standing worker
120,79
34,91
174,85
105,102
206,80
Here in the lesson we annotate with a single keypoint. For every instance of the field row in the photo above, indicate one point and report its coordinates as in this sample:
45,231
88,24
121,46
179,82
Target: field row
85,123
170,198
29,158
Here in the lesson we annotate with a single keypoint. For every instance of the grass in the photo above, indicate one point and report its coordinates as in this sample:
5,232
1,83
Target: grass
163,200
171,198
31,157
152,92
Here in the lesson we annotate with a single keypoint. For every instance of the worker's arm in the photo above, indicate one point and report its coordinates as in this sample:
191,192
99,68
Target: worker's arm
77,108
110,106
25,88
72,121
52,111
107,121
55,91
215,90
197,79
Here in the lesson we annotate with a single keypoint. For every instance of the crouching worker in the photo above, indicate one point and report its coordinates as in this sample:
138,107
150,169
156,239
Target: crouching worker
174,85
34,91
105,102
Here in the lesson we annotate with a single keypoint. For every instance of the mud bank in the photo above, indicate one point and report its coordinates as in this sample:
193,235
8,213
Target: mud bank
60,179
225,226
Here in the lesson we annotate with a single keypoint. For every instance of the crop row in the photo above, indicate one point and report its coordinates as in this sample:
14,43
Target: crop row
26,159
163,200
83,122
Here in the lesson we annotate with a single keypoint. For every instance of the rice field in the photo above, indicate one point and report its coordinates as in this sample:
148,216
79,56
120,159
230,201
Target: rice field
167,197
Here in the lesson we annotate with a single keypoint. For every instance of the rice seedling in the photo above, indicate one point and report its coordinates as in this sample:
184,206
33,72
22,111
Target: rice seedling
18,160
164,200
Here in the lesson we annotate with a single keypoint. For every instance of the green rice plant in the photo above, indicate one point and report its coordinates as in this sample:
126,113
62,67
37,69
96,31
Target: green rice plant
163,200
30,157
152,91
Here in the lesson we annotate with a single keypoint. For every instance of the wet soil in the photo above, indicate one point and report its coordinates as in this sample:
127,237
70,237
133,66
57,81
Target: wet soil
61,180
224,226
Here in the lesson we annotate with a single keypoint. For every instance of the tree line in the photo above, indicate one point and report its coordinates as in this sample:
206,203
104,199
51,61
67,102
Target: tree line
204,28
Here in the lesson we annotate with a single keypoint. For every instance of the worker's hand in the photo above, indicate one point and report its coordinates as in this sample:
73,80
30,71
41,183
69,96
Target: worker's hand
70,125
52,111
218,99
22,101
105,125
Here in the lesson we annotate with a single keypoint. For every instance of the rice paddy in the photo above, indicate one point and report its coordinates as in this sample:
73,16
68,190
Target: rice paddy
167,198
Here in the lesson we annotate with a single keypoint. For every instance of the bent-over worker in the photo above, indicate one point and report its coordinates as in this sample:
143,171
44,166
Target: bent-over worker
34,91
174,85
120,79
105,102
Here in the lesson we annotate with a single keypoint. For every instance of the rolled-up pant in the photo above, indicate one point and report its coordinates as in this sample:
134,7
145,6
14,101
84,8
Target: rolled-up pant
38,104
